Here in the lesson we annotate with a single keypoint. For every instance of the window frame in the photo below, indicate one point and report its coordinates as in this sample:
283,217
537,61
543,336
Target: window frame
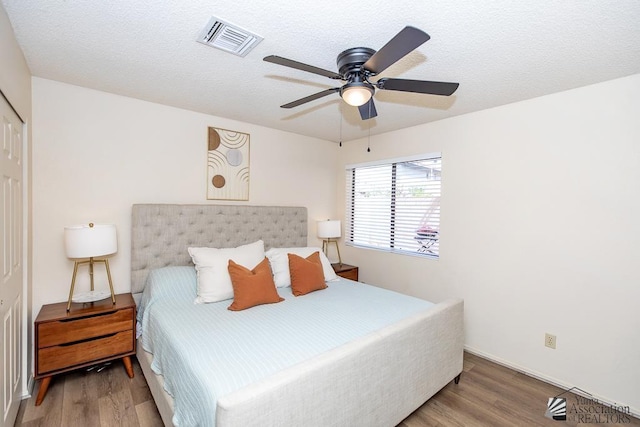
350,170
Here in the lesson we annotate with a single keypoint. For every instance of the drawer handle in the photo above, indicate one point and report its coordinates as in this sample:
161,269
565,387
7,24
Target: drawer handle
87,340
85,317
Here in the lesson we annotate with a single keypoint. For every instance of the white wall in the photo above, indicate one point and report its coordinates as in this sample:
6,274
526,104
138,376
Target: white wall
96,154
540,233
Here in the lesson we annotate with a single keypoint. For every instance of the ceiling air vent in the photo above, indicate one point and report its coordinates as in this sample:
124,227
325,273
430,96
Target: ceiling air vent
228,37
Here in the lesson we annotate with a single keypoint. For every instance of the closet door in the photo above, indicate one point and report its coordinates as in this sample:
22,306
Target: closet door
11,164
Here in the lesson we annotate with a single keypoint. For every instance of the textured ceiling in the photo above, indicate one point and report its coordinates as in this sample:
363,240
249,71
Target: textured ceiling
500,51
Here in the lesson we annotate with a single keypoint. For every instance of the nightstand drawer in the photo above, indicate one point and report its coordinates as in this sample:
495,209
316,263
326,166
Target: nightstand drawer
69,355
73,330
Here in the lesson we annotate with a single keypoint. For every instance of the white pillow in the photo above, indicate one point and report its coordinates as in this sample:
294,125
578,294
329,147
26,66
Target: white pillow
214,282
280,264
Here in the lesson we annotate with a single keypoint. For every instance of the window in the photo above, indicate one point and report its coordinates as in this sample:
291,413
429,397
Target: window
395,205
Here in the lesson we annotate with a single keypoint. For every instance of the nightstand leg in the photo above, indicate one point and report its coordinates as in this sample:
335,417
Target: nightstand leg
44,386
128,366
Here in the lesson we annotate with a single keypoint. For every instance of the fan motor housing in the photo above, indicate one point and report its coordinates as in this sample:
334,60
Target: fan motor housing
352,59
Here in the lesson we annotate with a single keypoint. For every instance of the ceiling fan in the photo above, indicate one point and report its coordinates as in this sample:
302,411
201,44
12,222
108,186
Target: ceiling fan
358,64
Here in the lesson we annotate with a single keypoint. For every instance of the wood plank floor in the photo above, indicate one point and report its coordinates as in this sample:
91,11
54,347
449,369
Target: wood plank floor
92,399
487,395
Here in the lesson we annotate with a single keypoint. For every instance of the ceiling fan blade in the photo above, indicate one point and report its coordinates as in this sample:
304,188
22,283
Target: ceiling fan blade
311,97
368,110
404,42
418,86
300,66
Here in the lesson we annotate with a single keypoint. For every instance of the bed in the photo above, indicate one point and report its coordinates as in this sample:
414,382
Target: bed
377,377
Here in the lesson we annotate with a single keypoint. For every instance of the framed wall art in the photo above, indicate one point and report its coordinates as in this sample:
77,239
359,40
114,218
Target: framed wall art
227,165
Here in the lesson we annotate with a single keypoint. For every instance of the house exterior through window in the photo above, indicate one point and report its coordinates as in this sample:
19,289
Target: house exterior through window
394,205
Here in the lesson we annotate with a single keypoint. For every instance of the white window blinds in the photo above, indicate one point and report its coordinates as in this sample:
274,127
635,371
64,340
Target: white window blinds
395,206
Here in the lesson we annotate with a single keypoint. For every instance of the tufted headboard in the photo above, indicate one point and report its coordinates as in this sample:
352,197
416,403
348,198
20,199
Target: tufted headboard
161,234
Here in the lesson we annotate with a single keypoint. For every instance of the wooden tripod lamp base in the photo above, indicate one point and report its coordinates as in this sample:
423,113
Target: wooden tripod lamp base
90,241
92,295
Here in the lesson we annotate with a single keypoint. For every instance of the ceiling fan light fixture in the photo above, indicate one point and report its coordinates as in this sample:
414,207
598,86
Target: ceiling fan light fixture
356,93
357,64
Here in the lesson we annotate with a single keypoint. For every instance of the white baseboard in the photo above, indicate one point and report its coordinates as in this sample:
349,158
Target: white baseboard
31,383
547,379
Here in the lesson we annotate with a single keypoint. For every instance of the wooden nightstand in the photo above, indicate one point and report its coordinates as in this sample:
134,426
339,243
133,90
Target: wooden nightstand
345,270
89,334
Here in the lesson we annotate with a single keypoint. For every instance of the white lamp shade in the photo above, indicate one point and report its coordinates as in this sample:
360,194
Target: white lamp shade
329,229
91,240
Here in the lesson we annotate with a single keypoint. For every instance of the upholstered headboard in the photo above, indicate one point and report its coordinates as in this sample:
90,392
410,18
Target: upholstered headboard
161,234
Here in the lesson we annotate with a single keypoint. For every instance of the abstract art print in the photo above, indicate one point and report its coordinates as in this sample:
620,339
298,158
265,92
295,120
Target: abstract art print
227,165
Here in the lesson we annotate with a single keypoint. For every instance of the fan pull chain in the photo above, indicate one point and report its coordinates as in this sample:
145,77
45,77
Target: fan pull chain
340,112
369,137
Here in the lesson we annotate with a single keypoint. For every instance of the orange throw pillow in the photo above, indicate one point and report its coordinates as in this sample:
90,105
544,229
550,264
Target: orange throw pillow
306,274
252,287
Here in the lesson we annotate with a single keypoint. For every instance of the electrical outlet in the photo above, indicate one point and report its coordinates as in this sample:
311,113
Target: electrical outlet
550,341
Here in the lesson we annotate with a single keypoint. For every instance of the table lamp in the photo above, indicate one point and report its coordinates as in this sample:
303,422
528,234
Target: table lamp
329,231
90,241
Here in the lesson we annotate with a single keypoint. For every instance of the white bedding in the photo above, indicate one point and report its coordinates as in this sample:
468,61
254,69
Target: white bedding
206,352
